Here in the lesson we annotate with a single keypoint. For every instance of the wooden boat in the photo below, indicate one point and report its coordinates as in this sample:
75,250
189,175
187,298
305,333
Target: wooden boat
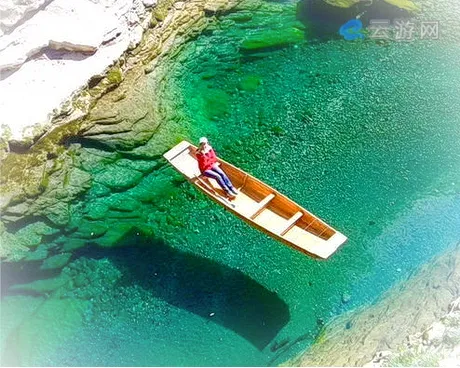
261,206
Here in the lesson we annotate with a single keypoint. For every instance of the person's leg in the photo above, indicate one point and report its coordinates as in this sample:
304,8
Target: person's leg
214,175
224,176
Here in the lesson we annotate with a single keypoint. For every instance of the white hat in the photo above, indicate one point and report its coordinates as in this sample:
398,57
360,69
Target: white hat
203,140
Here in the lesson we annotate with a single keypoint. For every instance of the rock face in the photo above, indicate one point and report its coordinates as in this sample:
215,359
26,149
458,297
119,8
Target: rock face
50,49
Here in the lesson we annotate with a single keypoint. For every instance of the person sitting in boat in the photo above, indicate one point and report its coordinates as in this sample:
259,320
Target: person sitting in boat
207,162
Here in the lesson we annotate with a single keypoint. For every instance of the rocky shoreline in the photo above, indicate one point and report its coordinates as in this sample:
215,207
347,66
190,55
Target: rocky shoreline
416,323
50,49
438,345
41,177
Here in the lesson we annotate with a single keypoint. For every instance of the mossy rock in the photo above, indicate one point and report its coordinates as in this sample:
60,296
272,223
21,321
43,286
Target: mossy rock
404,4
208,74
100,190
272,39
59,214
122,202
342,3
11,248
241,16
96,210
70,244
38,255
115,76
143,166
28,236
161,9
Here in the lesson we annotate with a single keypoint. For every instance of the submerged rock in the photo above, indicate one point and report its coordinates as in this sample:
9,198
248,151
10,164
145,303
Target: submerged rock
57,261
250,83
43,286
117,178
407,320
269,39
323,18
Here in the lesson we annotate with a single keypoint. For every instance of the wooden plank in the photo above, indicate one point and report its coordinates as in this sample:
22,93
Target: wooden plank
291,222
176,150
261,205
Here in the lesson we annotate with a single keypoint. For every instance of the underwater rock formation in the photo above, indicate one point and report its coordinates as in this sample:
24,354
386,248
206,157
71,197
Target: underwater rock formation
387,333
324,17
436,346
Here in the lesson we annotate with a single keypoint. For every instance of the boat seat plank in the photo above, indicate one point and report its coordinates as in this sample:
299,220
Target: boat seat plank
291,222
261,205
176,151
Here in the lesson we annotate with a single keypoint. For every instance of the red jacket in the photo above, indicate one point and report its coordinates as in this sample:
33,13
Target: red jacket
206,160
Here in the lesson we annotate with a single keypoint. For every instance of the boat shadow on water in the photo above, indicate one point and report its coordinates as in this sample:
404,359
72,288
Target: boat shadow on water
199,285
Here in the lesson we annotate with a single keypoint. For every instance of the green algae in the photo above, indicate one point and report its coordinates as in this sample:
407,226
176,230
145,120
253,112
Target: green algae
115,76
405,4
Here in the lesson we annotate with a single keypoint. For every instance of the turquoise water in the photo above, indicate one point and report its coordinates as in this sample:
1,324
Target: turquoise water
363,134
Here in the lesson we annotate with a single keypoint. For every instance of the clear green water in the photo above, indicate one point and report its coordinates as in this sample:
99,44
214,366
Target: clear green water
362,134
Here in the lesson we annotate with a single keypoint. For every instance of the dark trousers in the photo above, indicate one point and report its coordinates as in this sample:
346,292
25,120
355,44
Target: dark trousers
222,179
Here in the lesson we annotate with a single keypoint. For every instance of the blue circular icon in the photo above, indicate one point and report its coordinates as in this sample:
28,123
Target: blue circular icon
351,30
